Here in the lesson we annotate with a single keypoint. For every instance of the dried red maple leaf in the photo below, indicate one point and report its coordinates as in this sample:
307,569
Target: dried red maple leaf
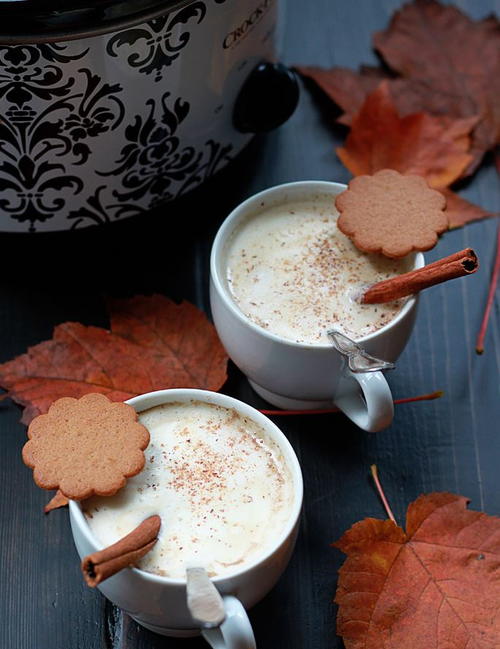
435,148
416,144
58,500
153,344
449,65
454,56
348,89
460,211
435,585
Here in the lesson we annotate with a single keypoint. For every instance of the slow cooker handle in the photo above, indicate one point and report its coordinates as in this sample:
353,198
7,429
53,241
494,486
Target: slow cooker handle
267,99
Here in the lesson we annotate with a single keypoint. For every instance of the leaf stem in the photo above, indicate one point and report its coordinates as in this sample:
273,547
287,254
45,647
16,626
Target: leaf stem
374,472
489,301
422,397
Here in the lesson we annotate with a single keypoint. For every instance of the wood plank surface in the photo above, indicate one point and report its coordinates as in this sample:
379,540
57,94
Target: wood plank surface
452,444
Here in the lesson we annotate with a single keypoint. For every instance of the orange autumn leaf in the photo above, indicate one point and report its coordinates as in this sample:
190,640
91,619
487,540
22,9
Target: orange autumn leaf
153,344
460,211
348,89
432,147
438,61
441,69
455,57
435,585
58,500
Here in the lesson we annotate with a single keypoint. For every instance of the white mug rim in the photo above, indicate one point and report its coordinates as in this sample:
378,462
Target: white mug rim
225,231
208,396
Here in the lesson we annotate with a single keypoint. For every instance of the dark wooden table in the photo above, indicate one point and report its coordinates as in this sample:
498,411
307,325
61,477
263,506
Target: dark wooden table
451,444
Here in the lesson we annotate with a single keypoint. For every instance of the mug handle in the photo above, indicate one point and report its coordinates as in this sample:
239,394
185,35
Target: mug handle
235,632
366,399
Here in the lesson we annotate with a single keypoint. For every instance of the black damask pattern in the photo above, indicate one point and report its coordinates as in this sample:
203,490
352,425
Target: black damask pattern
29,71
36,146
54,116
215,156
153,158
98,111
96,213
155,45
151,164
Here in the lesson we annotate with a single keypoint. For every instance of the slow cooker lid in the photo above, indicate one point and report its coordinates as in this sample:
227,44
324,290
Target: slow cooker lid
34,21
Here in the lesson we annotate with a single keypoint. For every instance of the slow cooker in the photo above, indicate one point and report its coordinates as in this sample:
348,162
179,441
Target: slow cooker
109,108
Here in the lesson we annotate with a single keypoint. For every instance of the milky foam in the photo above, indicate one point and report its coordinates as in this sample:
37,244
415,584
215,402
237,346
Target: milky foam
219,483
292,272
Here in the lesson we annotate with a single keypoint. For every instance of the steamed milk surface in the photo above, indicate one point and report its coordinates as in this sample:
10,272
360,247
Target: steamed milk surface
220,485
291,271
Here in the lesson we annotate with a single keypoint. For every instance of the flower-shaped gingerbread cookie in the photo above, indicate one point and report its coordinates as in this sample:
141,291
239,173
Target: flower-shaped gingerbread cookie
391,213
85,446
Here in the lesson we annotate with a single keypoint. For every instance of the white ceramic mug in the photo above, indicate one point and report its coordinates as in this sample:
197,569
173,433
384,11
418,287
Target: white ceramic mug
159,603
295,375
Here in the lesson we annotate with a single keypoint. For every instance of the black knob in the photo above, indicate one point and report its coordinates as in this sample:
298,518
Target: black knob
267,99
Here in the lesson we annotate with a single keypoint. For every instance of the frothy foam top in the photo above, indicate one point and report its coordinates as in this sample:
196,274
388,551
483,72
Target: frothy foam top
292,272
219,483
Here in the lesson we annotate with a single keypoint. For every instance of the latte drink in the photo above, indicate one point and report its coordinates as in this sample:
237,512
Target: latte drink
219,483
292,272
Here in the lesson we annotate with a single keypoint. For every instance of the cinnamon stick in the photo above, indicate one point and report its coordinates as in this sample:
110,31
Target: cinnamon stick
124,553
458,264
